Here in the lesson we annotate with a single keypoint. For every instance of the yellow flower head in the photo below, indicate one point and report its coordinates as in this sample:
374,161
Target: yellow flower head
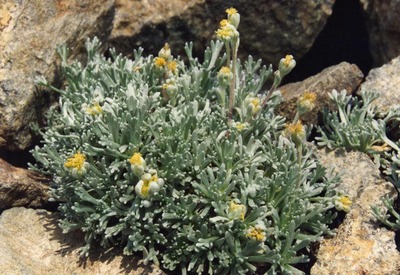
231,11
76,161
94,110
256,107
224,33
224,22
343,203
306,102
257,233
236,211
160,62
172,66
287,60
136,159
295,131
225,73
148,185
286,65
253,104
138,164
240,126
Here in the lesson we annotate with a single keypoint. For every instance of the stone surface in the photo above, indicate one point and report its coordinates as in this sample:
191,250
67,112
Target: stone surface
343,76
29,34
268,29
21,187
31,243
360,245
385,81
383,21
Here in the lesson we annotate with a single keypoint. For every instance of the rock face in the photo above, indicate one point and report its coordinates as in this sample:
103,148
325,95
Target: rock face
32,243
268,29
360,246
21,187
29,34
385,81
343,76
383,21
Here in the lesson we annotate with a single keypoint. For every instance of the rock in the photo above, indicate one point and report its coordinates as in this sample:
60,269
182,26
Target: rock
383,21
32,243
360,246
343,76
385,81
268,29
21,187
29,34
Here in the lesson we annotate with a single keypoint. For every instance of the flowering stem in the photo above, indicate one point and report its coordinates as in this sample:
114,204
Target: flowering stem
269,94
233,81
299,160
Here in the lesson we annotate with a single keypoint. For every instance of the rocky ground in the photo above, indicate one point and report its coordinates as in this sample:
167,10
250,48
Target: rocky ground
30,241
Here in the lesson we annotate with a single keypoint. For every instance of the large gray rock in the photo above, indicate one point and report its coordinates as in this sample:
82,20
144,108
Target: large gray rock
268,29
29,34
360,245
343,76
383,21
32,244
386,82
21,187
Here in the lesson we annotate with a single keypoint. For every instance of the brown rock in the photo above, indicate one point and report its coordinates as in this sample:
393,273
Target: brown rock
21,187
32,243
360,245
268,29
385,81
343,76
29,34
383,21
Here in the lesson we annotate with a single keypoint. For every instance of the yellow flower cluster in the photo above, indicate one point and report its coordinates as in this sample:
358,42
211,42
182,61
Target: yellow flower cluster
165,61
228,27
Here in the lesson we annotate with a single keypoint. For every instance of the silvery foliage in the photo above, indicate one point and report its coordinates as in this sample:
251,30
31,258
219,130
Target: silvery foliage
357,125
205,164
